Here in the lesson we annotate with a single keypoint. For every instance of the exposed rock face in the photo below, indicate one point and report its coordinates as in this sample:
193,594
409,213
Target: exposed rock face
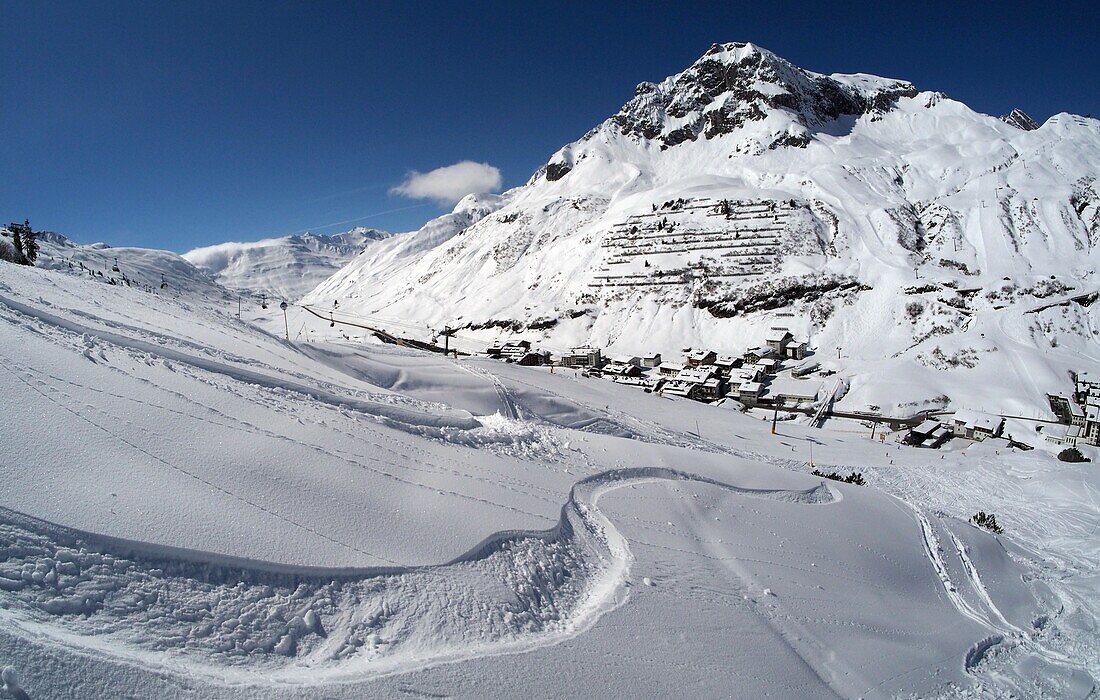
1019,119
737,83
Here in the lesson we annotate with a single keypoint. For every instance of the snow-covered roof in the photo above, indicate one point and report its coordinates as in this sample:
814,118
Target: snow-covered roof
927,427
677,388
695,374
671,366
749,387
977,420
787,386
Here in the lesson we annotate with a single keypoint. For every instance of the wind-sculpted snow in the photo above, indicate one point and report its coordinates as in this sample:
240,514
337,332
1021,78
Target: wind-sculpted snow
194,612
436,422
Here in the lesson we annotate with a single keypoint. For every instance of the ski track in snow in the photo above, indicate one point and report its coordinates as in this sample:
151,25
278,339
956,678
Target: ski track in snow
244,622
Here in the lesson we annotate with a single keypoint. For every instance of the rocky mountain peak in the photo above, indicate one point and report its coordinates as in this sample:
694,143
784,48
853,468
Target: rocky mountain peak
736,83
1019,119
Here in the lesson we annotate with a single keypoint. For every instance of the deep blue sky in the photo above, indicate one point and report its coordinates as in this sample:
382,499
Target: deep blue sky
174,125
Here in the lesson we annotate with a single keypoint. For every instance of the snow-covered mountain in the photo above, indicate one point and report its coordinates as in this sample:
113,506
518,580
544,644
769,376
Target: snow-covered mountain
910,238
286,267
142,268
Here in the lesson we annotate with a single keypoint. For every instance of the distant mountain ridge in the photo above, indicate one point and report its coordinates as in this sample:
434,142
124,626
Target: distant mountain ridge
286,267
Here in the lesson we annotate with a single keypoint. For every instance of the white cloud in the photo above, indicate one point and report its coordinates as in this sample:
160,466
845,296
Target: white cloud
450,183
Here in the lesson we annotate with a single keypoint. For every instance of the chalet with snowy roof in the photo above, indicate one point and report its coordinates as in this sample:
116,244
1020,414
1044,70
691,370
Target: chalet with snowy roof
711,389
754,355
651,360
767,365
748,373
727,363
583,356
511,349
975,425
777,340
618,368
538,358
697,374
701,357
669,369
796,350
515,350
626,360
749,393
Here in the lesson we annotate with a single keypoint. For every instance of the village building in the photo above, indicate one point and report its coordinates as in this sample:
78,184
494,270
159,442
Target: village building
777,340
796,350
1079,412
727,363
652,360
754,355
618,368
975,425
711,389
626,360
515,351
930,433
767,365
583,356
784,390
748,393
669,369
538,358
696,374
701,357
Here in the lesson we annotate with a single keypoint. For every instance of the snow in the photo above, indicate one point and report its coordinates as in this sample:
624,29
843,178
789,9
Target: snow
257,518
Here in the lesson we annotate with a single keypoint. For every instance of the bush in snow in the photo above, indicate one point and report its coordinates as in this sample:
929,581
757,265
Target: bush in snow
1072,454
853,478
987,521
913,310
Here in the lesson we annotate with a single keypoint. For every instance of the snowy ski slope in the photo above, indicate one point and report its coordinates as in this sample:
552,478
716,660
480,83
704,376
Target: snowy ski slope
195,506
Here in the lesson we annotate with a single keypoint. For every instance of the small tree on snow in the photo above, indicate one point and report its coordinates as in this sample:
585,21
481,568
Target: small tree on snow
30,243
987,521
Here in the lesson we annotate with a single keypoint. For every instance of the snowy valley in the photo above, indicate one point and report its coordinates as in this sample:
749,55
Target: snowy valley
209,495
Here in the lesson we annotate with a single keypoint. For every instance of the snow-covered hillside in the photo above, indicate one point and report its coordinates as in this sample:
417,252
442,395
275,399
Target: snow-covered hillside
909,238
139,268
286,267
194,506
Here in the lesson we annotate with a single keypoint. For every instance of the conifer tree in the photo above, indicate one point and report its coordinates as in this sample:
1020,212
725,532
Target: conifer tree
17,242
30,243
